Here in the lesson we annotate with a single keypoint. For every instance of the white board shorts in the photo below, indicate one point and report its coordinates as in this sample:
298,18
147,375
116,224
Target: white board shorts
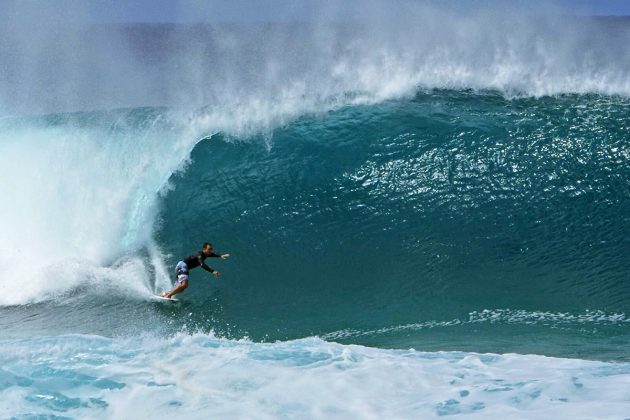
182,272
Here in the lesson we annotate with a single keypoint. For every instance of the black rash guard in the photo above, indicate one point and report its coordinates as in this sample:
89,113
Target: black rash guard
197,260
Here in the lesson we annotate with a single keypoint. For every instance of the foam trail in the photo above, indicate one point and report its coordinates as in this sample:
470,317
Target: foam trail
202,376
498,316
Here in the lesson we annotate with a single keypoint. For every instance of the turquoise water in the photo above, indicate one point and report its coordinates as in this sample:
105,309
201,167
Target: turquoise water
450,221
402,245
421,223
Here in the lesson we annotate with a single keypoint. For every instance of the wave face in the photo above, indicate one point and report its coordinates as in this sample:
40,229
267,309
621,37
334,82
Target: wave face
454,220
450,213
197,376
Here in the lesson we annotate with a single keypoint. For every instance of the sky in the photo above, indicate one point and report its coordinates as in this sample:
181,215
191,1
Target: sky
236,10
189,11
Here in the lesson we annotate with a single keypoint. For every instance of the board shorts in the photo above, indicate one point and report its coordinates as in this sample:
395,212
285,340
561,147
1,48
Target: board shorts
182,272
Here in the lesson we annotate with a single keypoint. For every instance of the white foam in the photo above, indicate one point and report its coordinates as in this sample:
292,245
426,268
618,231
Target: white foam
78,203
201,376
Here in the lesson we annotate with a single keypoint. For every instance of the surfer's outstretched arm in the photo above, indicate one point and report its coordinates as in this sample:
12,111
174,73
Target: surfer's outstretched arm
211,270
205,266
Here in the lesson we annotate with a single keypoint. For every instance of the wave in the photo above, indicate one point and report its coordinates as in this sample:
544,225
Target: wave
482,201
357,199
449,200
414,211
83,190
200,375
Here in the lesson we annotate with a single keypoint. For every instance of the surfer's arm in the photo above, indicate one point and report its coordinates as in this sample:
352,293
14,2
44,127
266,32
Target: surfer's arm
207,268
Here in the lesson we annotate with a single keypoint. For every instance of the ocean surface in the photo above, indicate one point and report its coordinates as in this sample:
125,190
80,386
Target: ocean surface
412,245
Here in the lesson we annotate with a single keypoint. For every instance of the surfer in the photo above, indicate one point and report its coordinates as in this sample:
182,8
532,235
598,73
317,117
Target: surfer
191,262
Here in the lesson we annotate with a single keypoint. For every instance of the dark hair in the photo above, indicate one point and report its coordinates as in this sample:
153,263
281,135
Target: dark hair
206,244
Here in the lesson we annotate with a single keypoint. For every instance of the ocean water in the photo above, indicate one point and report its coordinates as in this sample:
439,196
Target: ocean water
413,242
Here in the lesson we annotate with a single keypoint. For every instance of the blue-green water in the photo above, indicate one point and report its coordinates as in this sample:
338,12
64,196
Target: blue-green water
449,221
395,253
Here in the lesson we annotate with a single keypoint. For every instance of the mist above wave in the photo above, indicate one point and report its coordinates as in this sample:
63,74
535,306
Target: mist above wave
374,51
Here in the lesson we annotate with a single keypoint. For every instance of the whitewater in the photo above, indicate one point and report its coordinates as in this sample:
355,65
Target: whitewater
196,376
427,213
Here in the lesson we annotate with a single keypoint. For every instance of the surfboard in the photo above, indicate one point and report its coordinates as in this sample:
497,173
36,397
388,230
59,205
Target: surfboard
165,298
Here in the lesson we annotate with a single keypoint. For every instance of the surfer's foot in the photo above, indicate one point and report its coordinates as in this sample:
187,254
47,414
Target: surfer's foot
163,294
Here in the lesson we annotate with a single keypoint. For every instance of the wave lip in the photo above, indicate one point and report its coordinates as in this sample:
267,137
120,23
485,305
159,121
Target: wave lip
201,375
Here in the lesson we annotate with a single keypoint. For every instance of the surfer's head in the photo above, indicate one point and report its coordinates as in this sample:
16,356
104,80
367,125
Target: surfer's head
207,248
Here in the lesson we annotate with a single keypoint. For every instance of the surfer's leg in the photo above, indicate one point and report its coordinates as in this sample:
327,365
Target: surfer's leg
180,287
182,280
